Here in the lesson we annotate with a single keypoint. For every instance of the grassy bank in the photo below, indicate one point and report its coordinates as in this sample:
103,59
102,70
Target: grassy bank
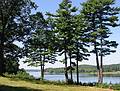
7,84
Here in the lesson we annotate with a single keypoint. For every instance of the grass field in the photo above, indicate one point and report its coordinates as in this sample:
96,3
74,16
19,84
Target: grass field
7,84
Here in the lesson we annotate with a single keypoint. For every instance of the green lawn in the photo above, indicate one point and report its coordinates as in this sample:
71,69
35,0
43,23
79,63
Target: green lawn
7,84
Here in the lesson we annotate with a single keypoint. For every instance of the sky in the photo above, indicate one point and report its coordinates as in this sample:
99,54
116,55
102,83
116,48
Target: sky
51,6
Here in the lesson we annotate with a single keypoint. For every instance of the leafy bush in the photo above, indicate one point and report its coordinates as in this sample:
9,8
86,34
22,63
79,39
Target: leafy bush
38,81
21,74
116,86
112,86
104,85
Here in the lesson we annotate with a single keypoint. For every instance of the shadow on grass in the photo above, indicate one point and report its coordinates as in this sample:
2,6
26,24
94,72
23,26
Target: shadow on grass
11,88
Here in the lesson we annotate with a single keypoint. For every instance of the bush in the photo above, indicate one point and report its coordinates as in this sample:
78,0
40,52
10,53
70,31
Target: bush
116,86
21,74
104,85
50,82
24,75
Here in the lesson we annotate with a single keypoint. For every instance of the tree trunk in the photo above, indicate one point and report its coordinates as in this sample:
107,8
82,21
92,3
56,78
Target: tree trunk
42,74
101,65
2,64
43,66
1,57
1,61
65,54
101,70
66,72
101,56
97,62
42,71
77,71
96,51
71,68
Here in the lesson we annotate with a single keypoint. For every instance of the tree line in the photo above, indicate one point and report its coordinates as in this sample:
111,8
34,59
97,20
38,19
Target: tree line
85,69
67,33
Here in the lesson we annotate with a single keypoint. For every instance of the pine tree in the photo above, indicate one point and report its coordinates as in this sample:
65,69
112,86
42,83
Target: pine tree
81,42
101,15
63,30
38,46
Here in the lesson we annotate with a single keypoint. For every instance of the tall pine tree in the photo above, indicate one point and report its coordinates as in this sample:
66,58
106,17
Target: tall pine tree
101,15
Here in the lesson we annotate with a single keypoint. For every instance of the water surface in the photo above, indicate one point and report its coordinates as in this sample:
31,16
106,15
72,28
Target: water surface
82,77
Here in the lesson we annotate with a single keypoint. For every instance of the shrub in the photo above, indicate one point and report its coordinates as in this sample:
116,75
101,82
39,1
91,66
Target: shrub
21,74
104,85
116,86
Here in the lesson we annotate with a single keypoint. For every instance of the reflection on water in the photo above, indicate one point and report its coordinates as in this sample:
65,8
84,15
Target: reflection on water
82,77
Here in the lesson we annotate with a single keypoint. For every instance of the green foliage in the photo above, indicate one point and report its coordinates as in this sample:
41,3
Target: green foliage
94,12
87,69
14,22
112,86
70,34
12,66
39,46
64,24
55,70
50,82
101,15
21,74
65,33
116,86
112,68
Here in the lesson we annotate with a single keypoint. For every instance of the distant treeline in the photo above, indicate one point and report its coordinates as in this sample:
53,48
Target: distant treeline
86,69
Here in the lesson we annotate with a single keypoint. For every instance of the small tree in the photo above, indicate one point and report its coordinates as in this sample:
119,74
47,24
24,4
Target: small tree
38,45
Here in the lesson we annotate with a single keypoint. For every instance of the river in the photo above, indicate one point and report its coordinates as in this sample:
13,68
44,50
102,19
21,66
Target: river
82,77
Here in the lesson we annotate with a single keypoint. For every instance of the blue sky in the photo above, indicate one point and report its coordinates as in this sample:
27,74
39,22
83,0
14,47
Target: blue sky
52,6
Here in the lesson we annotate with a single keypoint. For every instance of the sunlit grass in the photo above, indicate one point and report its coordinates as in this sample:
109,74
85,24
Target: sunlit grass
7,84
